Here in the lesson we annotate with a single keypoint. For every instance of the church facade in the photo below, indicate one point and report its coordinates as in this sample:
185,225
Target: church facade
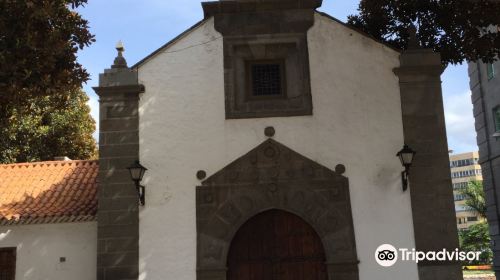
269,131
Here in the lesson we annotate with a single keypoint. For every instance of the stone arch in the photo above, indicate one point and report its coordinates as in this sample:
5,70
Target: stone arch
272,176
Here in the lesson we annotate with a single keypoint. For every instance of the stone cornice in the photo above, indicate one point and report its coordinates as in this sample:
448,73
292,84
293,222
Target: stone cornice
231,7
426,70
119,92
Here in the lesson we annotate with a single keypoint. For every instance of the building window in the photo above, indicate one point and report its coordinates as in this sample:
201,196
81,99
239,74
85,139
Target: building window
460,186
496,116
463,162
266,79
471,219
7,263
490,70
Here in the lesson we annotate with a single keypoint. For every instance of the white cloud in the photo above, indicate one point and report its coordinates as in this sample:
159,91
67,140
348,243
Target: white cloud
460,122
94,111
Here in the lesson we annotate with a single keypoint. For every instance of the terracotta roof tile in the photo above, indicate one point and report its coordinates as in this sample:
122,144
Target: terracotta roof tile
48,192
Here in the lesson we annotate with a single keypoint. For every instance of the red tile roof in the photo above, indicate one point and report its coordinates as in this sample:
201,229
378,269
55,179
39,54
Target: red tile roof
48,192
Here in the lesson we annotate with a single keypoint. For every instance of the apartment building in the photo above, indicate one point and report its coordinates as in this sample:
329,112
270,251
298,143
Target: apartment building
464,168
485,88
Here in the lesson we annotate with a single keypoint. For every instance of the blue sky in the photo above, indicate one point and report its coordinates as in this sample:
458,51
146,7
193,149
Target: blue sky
145,25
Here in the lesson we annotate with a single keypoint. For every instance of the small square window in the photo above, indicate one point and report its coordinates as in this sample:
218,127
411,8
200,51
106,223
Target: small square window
490,70
266,79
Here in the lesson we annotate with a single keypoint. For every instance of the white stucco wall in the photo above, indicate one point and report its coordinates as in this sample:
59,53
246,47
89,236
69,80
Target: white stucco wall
356,122
40,247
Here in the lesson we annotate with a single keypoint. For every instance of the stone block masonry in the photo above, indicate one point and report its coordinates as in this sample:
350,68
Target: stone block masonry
118,210
430,182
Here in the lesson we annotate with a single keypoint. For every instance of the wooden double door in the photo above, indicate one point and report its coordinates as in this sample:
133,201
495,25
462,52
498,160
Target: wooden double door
276,245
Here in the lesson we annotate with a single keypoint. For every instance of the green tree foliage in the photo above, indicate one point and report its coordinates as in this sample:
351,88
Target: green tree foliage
44,129
477,239
42,111
459,29
38,44
474,197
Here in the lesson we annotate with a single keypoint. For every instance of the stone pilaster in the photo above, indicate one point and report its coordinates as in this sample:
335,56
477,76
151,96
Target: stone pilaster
118,212
430,182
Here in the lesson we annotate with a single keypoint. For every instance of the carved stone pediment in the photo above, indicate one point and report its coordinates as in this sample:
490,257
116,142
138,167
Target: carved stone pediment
272,176
272,162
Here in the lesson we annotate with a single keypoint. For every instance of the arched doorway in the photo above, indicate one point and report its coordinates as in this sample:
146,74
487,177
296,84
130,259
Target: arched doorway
272,176
276,245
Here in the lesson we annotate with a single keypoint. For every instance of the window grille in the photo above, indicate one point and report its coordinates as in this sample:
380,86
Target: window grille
266,79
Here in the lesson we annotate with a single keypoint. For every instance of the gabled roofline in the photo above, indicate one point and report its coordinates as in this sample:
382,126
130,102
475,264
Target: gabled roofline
169,43
201,22
360,31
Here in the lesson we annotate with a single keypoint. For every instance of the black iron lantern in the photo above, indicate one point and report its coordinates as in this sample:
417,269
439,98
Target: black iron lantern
136,174
406,156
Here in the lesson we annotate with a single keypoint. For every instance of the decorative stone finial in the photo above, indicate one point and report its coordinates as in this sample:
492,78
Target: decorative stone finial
120,61
119,46
413,42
